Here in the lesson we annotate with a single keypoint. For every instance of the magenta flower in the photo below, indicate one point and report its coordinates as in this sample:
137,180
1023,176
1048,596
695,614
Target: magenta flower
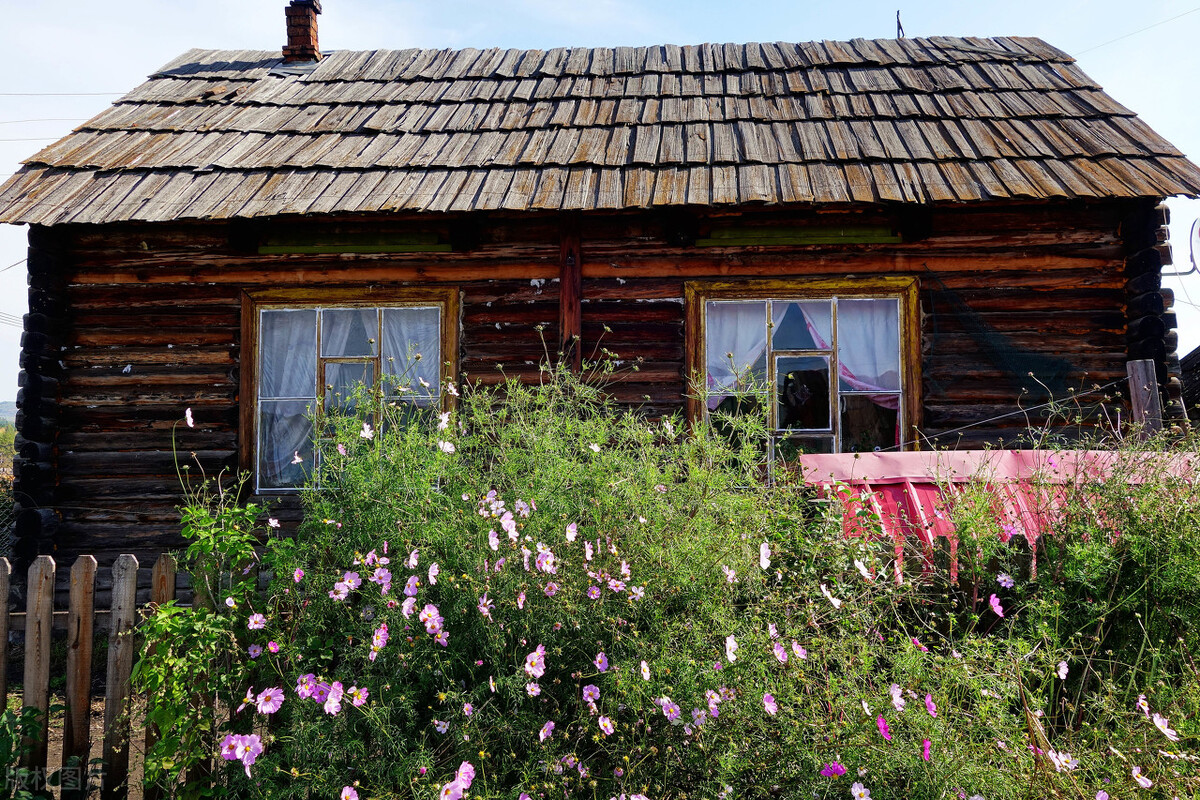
593,592
273,647
670,710
995,604
352,580
591,692
881,723
521,600
601,662
486,606
433,573
780,654
465,774
925,744
546,731
256,622
333,702
410,587
442,638
306,686
770,705
410,605
799,651
606,726
533,689
1062,670
270,700
348,793
468,709
254,650
917,644
930,706
357,696
298,575
833,770
551,589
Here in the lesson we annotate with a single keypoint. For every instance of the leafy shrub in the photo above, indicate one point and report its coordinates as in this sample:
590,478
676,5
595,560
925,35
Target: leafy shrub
535,595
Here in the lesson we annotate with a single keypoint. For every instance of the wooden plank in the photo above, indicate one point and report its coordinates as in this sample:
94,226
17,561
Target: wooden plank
77,738
5,572
39,608
114,783
1144,397
162,590
570,288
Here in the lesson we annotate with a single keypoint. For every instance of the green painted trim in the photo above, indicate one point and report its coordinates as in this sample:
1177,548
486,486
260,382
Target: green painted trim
742,237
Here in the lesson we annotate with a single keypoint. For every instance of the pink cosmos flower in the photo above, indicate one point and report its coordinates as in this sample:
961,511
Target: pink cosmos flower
485,606
340,591
465,775
780,654
521,599
833,770
1141,779
433,573
606,726
587,551
1160,722
248,700
930,706
187,417
551,589
670,710
917,644
256,622
273,647
1062,670
535,662
446,447
860,792
366,432
442,638
770,705
348,793
591,692
254,650
357,696
306,685
1005,580
546,731
352,580
616,585
441,726
730,575
468,709
772,631
493,540
601,662
270,700
731,647
410,605
593,592
1101,795
645,671
994,602
572,529
533,689
492,683
298,575
333,702
1142,705
898,701
764,555
925,745
341,448
637,592
799,651
410,587
881,723
451,791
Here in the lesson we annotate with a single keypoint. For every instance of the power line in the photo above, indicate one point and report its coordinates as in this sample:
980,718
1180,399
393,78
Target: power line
61,94
14,264
48,119
35,139
1135,33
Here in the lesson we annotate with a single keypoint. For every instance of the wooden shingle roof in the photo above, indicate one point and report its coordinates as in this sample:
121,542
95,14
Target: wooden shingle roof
229,134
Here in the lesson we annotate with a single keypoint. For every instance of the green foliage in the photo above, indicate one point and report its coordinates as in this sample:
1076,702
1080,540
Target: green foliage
774,645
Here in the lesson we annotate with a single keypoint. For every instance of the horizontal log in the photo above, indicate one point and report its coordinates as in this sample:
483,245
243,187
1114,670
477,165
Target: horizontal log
143,462
113,378
317,276
164,337
221,355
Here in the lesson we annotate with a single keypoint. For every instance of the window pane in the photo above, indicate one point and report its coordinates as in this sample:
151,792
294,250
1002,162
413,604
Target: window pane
283,432
789,448
735,347
342,378
407,334
869,421
349,332
869,345
802,390
806,325
287,353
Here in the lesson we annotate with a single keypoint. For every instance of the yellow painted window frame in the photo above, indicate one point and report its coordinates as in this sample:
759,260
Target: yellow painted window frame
447,297
698,293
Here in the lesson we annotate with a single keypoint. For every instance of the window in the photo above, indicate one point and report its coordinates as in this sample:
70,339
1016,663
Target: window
828,366
317,352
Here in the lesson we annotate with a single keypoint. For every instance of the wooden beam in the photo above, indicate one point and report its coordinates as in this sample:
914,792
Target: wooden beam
39,608
1144,396
570,288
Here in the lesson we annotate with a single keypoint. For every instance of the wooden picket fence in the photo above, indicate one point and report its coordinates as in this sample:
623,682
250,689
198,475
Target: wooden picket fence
82,621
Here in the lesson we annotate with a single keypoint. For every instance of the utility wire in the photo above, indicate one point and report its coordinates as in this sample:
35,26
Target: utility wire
1135,33
34,139
47,119
14,264
61,94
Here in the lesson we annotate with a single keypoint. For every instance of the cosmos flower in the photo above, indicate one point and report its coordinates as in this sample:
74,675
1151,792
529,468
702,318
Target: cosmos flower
533,689
546,731
730,575
1160,722
433,573
591,692
769,704
535,662
994,602
357,696
1005,580
860,792
930,706
1141,779
187,417
601,662
862,569
298,575
1142,705
731,647
551,589
645,671
829,596
366,432
898,701
881,723
799,651
925,745
254,650
833,770
446,447
593,592
256,622
1062,670
764,555
606,726
348,793
571,531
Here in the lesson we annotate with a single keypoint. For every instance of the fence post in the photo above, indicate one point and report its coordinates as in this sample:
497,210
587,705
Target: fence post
5,570
114,784
1144,398
39,618
162,590
77,737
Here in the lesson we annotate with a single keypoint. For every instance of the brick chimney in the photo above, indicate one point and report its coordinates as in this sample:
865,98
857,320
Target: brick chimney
302,32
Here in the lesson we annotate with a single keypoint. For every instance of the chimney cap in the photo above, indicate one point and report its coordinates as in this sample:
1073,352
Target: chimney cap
315,4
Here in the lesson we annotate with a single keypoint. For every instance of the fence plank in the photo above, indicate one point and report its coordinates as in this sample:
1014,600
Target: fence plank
162,590
120,664
77,735
1144,398
39,611
5,569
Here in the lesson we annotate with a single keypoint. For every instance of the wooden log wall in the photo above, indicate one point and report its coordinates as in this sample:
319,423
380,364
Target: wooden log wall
143,321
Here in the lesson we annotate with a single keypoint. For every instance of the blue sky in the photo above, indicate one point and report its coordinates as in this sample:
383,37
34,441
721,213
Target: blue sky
49,50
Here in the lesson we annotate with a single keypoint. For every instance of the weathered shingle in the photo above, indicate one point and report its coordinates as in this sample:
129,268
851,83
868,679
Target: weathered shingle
218,134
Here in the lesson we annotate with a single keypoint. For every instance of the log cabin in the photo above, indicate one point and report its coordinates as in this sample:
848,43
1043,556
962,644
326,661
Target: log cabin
908,241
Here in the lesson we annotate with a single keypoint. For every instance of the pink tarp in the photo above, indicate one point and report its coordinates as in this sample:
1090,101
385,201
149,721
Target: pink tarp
908,492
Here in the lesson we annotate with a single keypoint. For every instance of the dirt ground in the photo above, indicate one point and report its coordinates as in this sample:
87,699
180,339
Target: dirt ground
54,750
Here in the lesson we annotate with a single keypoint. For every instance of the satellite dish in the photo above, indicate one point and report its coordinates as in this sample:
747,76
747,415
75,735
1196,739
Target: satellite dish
1194,242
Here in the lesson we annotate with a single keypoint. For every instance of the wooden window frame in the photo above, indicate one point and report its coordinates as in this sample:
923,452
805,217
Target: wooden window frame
698,293
447,297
